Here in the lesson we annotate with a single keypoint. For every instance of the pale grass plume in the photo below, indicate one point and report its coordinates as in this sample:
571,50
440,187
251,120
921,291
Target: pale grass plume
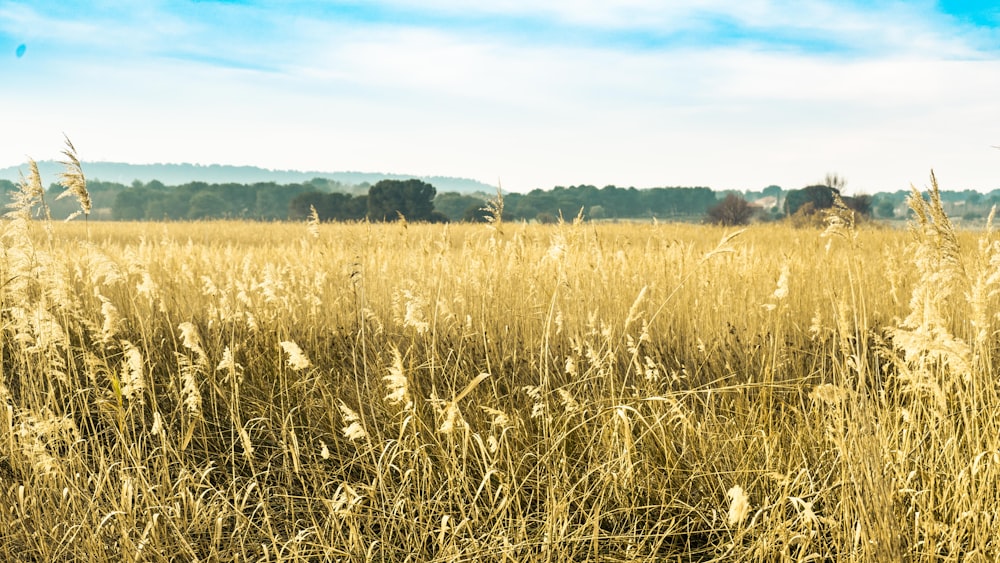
344,500
73,180
413,307
228,363
570,404
38,328
498,418
191,340
984,289
781,291
451,413
739,506
133,379
937,256
839,222
148,288
557,249
157,428
651,370
102,270
494,212
29,194
190,395
353,429
313,222
111,319
538,402
396,382
924,336
40,435
570,367
296,359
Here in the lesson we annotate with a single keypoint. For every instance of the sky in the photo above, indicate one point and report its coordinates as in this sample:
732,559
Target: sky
527,94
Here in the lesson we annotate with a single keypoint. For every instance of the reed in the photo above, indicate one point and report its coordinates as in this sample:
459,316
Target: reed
509,392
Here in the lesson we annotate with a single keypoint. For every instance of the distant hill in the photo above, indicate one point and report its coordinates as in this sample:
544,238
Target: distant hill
177,174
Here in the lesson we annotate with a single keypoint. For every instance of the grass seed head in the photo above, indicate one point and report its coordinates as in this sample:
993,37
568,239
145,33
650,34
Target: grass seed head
739,507
296,359
396,382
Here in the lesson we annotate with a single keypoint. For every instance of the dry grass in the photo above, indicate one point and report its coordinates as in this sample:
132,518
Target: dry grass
466,393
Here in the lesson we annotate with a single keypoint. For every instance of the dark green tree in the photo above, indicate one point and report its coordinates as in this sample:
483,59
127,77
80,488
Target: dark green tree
413,199
301,206
860,204
771,191
455,205
130,204
885,209
820,196
207,205
329,206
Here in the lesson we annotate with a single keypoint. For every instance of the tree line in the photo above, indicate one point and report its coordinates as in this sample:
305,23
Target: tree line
416,200
387,200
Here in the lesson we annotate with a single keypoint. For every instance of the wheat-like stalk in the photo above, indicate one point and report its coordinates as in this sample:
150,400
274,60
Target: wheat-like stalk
73,180
605,432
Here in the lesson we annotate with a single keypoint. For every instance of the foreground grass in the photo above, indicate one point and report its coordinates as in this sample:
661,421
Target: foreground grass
238,392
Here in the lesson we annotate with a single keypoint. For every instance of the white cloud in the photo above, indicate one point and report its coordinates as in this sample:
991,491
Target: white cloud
438,100
897,26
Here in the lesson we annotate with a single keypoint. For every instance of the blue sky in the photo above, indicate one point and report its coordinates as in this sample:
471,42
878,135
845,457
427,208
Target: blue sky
730,95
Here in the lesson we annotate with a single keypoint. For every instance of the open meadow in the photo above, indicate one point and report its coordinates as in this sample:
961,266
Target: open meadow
505,392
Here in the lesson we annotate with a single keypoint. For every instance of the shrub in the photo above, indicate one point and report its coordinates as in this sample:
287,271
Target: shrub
733,210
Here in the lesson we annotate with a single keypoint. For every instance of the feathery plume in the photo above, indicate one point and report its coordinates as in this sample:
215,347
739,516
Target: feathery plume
296,359
313,222
739,507
132,378
73,179
191,340
353,431
396,382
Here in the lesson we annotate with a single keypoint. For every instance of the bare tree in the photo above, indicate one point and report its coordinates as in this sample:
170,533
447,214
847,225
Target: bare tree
733,210
835,181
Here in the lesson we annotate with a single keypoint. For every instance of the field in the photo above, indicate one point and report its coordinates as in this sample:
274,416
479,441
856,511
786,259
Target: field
503,392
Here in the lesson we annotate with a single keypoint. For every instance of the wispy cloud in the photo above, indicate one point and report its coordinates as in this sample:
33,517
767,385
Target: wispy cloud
637,92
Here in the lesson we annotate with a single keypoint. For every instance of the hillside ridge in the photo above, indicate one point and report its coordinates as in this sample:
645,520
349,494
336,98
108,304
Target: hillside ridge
177,174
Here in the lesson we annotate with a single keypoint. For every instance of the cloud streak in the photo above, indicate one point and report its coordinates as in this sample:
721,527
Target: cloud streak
633,93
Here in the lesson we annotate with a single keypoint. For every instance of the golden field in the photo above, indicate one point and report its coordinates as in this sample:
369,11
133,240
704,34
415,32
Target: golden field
577,392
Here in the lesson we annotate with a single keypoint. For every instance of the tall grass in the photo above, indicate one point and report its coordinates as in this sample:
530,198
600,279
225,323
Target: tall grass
453,393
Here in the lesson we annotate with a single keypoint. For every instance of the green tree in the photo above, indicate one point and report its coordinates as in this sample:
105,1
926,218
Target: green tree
207,205
455,205
301,206
414,199
885,209
860,204
820,196
772,191
475,214
329,206
130,204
